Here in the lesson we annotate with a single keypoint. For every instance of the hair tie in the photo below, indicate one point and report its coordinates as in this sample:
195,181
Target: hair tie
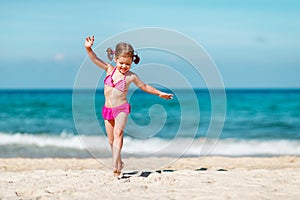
136,58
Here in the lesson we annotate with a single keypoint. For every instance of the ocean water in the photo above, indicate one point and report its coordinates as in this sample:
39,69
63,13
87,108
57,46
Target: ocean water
60,123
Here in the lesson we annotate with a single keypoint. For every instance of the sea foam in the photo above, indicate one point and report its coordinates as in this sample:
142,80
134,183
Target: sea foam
155,146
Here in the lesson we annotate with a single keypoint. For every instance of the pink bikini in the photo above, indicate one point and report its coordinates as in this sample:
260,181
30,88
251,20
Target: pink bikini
112,113
120,85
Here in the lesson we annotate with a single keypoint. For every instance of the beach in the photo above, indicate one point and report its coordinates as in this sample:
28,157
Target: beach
46,154
184,178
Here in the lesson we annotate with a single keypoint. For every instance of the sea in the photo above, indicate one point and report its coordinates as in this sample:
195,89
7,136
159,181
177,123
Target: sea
63,123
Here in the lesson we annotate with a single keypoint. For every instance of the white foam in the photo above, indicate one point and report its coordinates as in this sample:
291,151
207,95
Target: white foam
224,147
63,141
157,146
257,147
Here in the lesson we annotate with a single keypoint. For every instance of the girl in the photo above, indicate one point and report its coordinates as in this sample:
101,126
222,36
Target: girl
116,109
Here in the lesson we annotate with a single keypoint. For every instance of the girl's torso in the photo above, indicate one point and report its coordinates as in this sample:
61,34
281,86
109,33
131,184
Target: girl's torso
116,86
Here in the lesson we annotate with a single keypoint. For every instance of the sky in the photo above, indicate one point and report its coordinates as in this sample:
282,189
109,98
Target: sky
254,43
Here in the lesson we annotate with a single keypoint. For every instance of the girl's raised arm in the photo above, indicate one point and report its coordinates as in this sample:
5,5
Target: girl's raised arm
89,41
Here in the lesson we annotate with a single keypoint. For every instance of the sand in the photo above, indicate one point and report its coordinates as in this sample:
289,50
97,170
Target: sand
185,178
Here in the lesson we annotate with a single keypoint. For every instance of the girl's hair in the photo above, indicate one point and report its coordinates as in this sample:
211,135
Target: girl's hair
123,49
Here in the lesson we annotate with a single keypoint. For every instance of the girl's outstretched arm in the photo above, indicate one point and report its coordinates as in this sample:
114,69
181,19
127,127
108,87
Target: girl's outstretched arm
89,41
148,88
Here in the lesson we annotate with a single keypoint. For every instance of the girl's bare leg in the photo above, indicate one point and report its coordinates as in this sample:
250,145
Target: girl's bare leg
120,123
109,126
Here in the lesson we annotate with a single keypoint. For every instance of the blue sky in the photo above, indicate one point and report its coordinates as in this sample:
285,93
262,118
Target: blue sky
255,44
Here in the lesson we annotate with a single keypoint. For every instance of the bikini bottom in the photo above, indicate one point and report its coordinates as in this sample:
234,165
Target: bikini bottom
112,113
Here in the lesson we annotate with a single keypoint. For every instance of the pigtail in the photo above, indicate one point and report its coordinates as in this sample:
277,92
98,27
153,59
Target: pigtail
136,59
110,54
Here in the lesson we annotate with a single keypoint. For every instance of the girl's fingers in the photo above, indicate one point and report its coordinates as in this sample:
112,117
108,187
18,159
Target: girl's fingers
89,39
167,96
170,96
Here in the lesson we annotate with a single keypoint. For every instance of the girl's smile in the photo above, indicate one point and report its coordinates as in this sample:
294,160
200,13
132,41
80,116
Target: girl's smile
123,70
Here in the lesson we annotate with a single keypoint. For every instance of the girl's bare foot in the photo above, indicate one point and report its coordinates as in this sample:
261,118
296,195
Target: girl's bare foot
118,171
115,170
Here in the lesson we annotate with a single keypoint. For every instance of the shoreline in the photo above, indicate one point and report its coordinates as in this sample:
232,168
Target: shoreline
139,163
211,177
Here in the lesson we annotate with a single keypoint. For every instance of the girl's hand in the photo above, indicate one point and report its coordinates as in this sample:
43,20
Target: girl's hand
165,95
89,42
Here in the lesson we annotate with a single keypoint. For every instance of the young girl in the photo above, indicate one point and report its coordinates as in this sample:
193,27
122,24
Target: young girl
116,84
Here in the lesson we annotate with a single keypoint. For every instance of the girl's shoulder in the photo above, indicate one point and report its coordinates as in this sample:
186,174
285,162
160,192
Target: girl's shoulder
131,75
109,68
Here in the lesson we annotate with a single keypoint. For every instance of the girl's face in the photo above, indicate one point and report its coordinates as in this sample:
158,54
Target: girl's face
123,64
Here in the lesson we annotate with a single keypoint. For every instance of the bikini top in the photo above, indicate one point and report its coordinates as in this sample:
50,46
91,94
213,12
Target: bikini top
120,85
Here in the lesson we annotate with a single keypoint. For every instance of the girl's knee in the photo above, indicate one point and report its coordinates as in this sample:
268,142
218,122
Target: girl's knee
110,142
118,132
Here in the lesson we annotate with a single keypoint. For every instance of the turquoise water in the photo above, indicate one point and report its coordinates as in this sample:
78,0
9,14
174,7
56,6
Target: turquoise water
40,123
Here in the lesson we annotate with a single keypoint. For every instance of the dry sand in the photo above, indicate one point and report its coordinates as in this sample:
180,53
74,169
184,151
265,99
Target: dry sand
216,178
